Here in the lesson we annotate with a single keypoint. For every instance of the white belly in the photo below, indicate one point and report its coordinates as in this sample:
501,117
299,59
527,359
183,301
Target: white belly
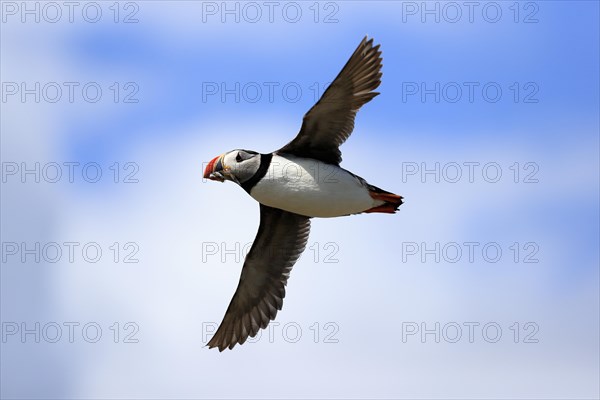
312,188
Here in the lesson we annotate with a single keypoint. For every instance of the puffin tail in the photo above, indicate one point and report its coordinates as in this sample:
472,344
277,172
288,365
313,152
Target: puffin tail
391,201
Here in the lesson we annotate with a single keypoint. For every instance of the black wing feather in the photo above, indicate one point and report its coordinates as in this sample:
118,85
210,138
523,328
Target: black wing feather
280,241
331,120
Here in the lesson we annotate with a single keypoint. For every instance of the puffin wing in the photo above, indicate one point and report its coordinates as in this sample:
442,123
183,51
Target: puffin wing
331,120
280,240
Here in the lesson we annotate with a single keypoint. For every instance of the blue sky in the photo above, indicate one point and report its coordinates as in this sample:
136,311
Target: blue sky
177,58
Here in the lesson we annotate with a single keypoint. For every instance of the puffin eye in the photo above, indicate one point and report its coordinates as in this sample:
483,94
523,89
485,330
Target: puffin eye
238,158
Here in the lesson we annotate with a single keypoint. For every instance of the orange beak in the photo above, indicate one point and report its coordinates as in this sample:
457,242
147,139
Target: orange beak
215,165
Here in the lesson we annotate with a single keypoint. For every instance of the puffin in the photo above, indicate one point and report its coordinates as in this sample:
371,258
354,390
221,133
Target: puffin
300,181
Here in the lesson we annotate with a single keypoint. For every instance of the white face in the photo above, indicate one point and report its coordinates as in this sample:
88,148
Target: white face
240,165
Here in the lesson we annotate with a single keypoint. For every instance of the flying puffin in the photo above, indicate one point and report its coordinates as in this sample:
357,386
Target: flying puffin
301,180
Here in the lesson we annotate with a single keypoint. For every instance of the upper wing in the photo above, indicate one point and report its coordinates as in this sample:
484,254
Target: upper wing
330,122
280,240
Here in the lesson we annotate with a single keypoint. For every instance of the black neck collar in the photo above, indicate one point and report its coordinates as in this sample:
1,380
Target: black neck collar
265,162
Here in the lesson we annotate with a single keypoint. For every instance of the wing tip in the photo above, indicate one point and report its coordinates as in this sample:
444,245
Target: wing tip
219,346
366,42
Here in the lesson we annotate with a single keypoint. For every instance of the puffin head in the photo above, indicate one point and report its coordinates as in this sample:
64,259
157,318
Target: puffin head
237,166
